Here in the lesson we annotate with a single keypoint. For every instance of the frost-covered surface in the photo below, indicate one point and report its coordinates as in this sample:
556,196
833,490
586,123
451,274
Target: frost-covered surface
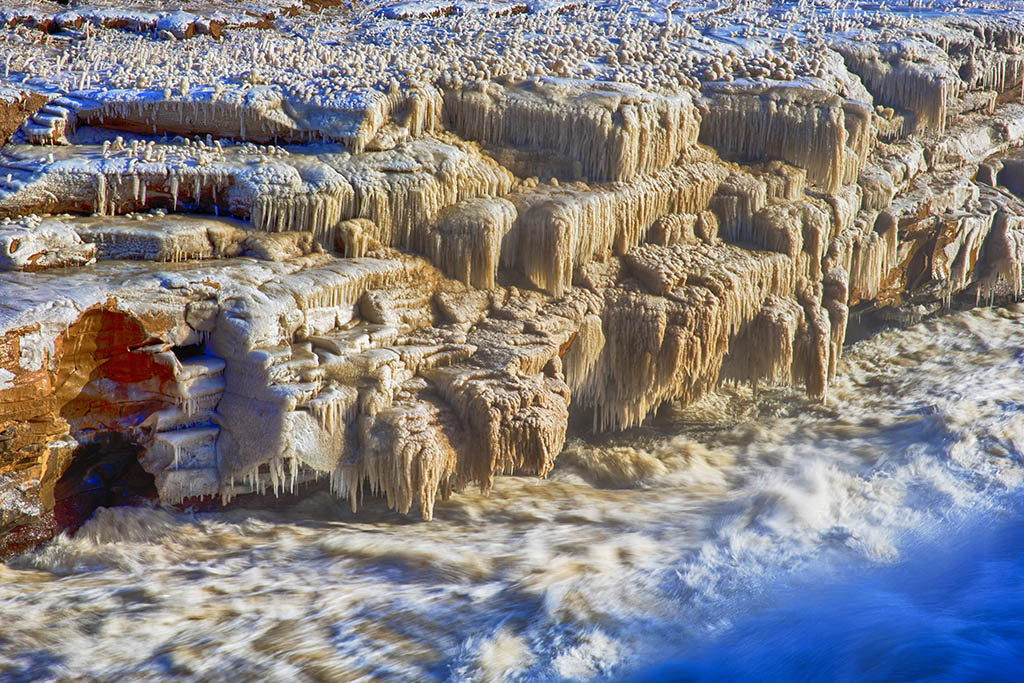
407,240
346,49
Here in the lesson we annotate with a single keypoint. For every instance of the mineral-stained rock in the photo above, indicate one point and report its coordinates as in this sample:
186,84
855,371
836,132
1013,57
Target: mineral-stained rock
400,260
16,105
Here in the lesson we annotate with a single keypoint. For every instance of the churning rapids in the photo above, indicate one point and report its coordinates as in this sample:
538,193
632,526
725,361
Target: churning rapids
876,537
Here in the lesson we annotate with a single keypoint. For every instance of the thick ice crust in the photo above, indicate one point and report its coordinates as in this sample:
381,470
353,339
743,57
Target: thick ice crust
397,246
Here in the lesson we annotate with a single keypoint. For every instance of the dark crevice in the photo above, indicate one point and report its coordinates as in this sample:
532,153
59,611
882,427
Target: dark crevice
103,473
187,352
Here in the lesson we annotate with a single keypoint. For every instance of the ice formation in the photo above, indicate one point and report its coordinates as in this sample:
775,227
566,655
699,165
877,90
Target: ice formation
396,248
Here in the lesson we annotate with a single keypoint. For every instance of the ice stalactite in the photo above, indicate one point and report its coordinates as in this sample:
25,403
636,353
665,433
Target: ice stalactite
200,396
402,191
996,70
465,242
254,432
256,114
260,114
560,228
667,341
417,110
1004,255
783,182
673,228
800,230
789,341
315,213
517,422
822,133
407,454
172,188
738,198
101,193
614,133
764,351
190,448
959,244
177,486
320,435
277,197
910,75
581,356
198,385
814,348
835,294
357,236
869,256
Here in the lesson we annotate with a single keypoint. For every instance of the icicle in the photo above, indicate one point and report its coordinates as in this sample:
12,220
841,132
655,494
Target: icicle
174,192
101,192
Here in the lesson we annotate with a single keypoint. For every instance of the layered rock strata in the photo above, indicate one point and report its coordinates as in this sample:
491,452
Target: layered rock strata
406,287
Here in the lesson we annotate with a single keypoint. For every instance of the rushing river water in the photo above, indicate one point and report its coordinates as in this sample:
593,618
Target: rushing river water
877,537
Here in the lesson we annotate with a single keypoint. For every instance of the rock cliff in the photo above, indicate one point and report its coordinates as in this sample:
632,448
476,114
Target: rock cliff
397,246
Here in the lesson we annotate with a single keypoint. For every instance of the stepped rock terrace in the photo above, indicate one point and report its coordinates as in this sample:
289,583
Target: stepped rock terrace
403,246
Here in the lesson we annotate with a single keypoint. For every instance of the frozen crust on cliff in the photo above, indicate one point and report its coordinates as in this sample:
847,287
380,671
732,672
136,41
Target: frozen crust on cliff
397,247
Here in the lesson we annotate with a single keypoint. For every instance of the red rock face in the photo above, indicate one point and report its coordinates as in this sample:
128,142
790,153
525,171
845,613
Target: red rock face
106,344
98,379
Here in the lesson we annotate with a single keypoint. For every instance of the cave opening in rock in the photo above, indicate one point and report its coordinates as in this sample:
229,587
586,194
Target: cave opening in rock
103,473
183,353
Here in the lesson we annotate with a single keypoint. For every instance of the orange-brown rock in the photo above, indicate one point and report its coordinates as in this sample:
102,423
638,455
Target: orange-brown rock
98,377
16,105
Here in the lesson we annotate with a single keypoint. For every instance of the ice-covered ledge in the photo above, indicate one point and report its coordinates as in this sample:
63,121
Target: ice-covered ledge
398,250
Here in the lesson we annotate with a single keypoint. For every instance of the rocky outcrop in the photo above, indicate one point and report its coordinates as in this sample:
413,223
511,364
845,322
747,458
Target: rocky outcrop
17,105
407,282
